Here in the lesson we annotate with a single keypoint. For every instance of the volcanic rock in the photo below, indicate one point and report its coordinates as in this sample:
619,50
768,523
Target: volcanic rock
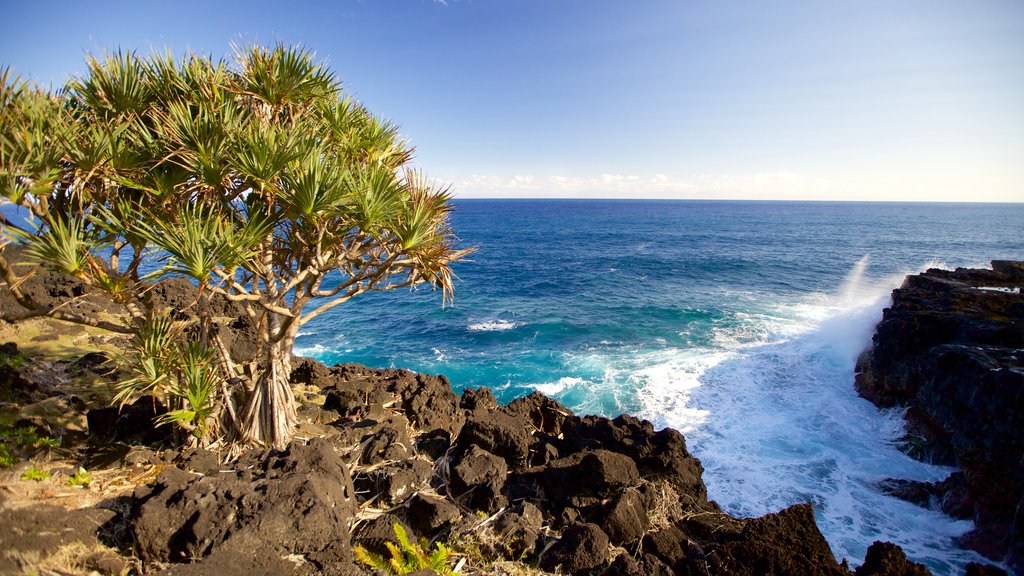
581,548
949,349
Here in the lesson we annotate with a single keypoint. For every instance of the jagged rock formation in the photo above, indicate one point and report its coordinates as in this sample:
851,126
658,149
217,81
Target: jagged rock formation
951,350
528,482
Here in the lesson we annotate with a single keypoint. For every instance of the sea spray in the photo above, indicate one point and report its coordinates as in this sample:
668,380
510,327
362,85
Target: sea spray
781,424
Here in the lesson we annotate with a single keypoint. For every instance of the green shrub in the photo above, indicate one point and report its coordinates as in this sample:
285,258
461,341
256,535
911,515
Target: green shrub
35,473
407,557
80,478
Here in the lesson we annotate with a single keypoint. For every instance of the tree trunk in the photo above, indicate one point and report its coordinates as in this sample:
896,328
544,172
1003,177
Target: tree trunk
270,416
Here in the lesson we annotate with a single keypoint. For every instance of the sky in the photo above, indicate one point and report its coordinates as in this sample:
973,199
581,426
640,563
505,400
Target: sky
916,100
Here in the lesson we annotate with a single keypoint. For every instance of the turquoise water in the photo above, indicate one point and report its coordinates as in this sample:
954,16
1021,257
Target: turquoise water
735,322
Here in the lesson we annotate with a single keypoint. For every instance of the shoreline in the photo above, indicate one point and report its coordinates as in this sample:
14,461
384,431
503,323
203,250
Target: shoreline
401,436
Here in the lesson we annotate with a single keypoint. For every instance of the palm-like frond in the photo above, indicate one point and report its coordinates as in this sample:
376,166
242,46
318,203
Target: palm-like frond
114,85
283,76
199,240
63,245
313,185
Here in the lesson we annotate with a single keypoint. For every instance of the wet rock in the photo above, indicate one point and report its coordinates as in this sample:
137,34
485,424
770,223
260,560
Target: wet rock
428,515
392,483
582,548
297,501
949,350
887,559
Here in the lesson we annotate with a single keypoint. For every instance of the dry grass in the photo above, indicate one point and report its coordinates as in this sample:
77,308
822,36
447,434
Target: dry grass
75,559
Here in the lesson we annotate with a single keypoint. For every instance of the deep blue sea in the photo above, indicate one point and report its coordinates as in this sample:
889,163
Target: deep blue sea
737,323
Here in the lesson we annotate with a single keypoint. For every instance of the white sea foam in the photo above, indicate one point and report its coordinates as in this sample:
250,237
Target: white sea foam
777,422
554,388
493,326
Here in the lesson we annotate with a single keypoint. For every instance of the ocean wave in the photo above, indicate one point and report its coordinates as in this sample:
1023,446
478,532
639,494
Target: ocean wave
493,326
780,423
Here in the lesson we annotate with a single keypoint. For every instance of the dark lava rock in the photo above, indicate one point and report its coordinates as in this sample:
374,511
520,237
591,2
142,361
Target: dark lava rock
95,362
583,479
498,434
658,454
14,388
517,532
387,444
887,559
975,569
392,483
434,444
624,517
787,542
201,461
131,423
234,563
476,478
647,565
582,548
544,414
949,349
297,501
374,534
428,515
478,399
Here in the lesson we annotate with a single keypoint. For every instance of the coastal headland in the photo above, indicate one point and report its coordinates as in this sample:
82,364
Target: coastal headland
523,488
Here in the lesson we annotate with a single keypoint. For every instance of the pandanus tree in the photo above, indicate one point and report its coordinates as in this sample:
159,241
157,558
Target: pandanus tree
258,179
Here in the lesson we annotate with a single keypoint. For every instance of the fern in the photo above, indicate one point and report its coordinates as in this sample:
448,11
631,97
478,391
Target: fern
407,556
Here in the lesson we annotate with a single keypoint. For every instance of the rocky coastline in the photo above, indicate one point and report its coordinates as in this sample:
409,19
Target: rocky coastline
950,350
524,488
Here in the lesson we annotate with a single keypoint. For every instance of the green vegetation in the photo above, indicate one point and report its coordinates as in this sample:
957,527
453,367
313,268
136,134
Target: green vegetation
259,180
407,557
81,477
21,441
6,458
35,473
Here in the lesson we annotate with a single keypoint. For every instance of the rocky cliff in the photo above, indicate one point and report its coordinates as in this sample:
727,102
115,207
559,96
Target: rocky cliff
951,350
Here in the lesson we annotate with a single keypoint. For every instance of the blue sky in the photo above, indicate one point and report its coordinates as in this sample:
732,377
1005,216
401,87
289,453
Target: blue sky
871,100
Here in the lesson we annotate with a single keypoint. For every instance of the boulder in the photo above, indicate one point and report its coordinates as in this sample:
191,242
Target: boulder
392,483
476,479
582,548
428,515
887,559
297,501
497,433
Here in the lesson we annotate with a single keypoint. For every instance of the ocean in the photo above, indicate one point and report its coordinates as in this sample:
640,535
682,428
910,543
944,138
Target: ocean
737,323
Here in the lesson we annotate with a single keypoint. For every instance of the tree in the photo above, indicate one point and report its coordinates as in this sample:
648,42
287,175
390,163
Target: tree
258,179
